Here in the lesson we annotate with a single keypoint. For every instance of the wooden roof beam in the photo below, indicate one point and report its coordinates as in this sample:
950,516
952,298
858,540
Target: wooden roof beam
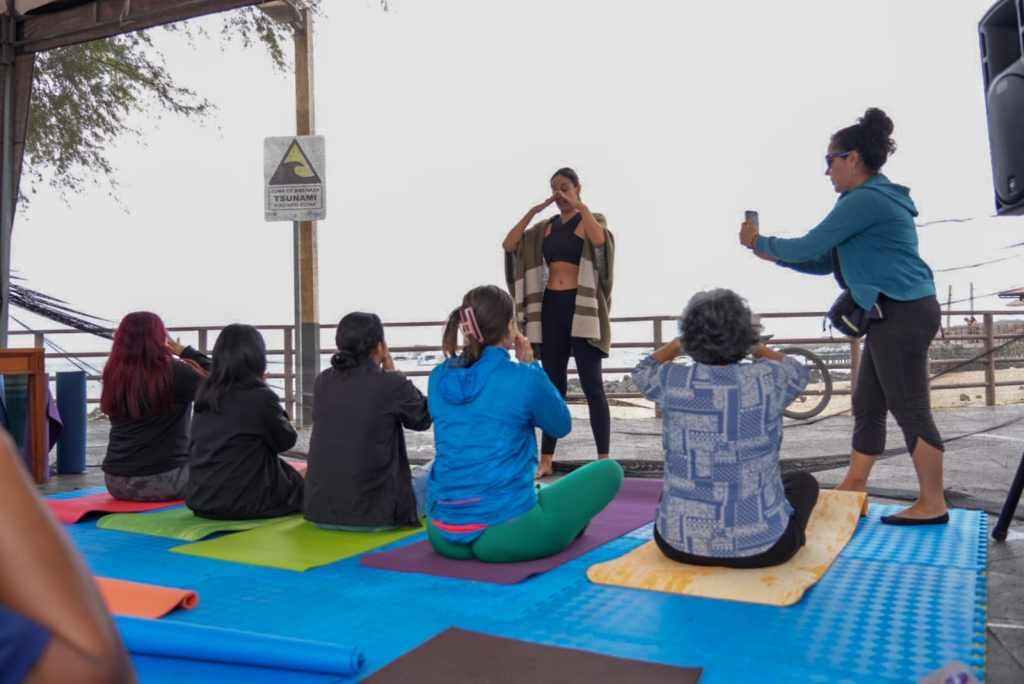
105,18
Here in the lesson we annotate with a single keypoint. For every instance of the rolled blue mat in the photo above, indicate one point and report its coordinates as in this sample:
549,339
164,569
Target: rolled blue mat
184,641
71,403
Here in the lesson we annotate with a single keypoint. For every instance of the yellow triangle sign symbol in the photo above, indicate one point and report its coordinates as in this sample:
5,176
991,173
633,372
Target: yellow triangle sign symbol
295,168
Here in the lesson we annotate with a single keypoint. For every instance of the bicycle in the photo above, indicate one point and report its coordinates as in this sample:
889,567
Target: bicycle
819,372
821,379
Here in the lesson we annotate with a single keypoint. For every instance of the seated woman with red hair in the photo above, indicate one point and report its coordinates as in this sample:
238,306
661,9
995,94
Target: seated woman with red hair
147,394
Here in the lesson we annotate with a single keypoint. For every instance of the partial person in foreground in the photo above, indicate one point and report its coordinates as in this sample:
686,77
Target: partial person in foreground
868,242
239,429
54,625
725,501
359,477
559,271
147,394
482,500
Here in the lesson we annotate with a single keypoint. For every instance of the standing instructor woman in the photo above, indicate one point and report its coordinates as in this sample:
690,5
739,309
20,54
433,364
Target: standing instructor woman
868,242
559,273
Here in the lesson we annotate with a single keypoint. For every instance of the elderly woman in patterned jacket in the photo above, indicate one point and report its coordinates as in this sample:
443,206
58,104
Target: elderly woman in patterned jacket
725,501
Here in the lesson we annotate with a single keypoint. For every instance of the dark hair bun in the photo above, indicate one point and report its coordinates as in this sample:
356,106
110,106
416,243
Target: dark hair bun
871,137
877,122
358,334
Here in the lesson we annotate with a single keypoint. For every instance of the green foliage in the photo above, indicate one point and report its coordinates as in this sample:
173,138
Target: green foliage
82,101
85,97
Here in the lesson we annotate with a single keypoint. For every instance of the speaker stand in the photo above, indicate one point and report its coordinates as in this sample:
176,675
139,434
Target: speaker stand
1010,506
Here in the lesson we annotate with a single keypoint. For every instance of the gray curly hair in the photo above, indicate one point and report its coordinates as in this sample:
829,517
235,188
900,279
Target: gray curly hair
717,327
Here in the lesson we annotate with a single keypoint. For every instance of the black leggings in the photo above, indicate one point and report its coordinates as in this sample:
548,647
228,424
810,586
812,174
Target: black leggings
894,376
556,328
802,494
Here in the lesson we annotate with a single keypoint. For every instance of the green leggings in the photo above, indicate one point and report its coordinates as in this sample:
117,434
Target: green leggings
563,511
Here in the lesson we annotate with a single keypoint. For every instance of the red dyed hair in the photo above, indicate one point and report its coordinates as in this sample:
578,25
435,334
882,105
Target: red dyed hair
138,375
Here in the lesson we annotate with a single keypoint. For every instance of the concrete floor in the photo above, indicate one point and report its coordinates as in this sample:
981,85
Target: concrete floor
983,449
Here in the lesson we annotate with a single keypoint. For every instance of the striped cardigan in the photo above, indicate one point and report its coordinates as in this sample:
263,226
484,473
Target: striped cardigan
526,274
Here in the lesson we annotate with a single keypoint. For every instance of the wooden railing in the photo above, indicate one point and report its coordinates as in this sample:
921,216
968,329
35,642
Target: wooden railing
281,347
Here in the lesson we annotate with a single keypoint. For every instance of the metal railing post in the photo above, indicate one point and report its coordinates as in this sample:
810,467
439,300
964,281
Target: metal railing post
657,344
990,361
204,340
289,372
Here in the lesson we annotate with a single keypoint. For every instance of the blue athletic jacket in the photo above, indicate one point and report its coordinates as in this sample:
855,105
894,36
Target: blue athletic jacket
485,418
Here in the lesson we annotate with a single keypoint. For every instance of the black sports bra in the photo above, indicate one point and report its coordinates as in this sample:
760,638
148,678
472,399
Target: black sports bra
562,243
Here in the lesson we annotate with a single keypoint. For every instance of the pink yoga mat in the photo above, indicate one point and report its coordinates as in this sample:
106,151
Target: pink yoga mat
73,510
634,507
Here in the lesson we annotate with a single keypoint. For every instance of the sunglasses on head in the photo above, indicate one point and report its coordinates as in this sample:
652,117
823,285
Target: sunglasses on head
832,156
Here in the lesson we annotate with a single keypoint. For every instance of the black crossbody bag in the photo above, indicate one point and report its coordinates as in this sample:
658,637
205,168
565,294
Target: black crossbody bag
851,320
845,315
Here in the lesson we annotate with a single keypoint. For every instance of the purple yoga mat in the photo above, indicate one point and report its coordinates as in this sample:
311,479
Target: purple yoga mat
633,507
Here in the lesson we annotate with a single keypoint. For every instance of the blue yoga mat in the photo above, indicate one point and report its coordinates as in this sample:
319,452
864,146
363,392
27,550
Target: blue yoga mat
71,403
893,615
154,670
166,639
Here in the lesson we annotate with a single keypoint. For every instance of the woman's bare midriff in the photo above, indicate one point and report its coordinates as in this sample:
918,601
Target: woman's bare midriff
563,276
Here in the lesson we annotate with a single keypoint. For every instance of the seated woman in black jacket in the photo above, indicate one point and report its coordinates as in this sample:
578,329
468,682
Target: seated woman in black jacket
359,476
147,394
237,433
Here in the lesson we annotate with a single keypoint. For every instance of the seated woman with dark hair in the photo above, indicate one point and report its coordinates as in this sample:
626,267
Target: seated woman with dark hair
238,431
359,477
725,501
147,394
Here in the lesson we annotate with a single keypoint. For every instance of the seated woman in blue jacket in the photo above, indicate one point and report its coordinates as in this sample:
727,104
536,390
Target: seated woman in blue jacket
481,499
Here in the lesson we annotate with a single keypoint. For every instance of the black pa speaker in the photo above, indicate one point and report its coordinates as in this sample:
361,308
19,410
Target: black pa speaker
1002,61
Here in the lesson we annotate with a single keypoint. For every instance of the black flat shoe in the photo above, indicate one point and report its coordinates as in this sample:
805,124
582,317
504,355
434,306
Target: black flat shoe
908,522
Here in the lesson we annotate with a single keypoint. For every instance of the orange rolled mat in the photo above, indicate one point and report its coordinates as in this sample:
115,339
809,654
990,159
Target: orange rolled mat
144,600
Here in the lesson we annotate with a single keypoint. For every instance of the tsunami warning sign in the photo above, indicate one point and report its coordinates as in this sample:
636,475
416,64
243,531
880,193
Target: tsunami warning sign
293,171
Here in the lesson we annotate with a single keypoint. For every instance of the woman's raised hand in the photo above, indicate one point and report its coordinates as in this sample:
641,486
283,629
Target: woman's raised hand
524,350
543,205
748,234
386,362
175,346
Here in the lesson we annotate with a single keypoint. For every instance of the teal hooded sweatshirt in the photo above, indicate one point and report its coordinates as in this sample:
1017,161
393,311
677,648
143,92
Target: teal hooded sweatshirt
872,228
485,418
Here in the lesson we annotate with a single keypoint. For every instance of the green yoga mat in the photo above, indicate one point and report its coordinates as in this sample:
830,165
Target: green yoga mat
180,523
293,545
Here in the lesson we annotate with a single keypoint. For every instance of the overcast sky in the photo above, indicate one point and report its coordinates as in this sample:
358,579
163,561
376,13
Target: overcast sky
445,118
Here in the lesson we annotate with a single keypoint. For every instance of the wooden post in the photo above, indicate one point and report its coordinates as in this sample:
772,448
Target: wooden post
657,344
309,287
990,362
32,362
949,307
854,363
37,418
289,372
8,190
